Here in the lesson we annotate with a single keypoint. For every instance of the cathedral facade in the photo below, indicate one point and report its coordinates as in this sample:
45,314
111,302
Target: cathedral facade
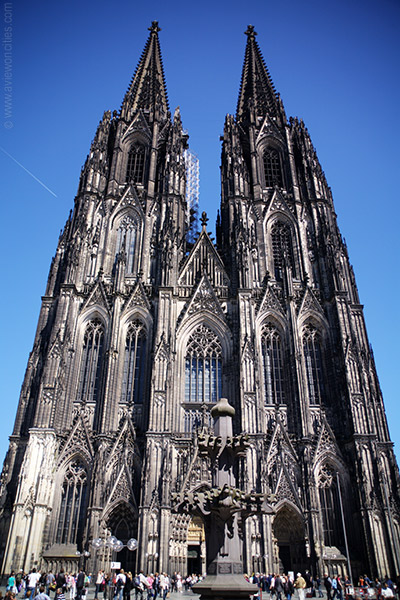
141,331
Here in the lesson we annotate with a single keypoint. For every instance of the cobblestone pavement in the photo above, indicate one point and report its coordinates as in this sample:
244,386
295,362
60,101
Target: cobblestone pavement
173,595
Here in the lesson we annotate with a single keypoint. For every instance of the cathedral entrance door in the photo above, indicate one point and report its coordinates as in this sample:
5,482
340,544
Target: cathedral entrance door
195,547
289,534
193,560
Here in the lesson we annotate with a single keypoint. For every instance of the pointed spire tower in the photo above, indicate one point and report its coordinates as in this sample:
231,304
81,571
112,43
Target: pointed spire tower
257,95
147,90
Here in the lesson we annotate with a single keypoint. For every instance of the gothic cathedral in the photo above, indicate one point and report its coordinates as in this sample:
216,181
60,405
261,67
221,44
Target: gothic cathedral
141,331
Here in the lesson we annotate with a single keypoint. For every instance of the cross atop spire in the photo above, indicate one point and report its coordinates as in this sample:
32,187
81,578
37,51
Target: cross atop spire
147,90
250,31
154,28
256,87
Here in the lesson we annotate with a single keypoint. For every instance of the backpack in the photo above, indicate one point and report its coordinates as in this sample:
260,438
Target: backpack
136,581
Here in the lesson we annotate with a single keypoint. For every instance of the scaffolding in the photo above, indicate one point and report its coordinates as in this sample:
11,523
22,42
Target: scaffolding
192,192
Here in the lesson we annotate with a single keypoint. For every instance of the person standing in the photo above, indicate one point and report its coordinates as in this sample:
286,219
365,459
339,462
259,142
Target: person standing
80,583
49,582
300,586
165,585
99,583
128,586
119,585
61,581
42,594
33,580
328,586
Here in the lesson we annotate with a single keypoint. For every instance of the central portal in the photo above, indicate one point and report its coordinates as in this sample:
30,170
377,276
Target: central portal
196,550
288,530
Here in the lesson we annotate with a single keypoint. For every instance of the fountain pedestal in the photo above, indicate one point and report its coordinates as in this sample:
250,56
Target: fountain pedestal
220,508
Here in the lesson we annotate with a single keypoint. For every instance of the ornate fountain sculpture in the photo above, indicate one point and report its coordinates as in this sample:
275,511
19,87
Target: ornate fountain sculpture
222,508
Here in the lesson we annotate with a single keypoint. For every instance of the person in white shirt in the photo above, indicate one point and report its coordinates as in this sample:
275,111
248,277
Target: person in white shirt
33,580
119,585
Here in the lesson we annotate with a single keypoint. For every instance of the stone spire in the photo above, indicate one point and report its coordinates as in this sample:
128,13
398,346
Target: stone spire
147,90
256,87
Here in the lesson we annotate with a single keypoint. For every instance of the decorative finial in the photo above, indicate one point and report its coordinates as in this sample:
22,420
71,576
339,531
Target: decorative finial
154,27
204,219
250,31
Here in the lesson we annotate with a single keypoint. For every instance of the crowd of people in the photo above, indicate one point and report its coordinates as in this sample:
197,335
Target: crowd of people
126,586
335,587
122,586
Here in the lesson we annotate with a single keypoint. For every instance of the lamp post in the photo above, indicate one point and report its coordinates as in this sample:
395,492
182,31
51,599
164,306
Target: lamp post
113,544
83,556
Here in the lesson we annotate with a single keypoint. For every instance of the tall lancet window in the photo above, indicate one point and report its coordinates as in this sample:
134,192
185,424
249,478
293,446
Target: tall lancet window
330,507
136,163
273,365
73,505
133,379
203,367
313,361
126,241
272,168
89,381
282,248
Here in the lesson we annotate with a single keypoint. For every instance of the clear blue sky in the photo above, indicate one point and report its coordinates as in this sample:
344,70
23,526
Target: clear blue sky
335,64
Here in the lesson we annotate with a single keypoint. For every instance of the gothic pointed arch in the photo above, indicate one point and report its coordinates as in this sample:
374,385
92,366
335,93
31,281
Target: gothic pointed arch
273,362
137,301
288,529
330,500
96,301
71,501
91,361
204,299
203,366
272,166
313,361
204,259
310,306
138,130
271,304
135,351
78,442
129,203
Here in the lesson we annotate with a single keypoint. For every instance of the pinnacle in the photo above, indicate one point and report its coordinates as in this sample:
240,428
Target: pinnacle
257,92
147,89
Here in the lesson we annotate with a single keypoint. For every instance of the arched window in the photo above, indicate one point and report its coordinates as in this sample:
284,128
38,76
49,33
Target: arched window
273,365
134,364
313,362
203,367
73,505
89,381
272,168
330,507
136,163
126,241
282,248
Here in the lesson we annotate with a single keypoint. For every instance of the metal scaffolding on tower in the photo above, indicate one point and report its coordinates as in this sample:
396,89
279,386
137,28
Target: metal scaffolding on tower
192,192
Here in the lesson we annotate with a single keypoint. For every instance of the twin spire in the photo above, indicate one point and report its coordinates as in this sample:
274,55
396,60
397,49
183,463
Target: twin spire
147,90
256,88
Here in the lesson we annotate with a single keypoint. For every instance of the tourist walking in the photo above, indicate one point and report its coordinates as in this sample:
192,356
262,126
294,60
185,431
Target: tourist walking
300,586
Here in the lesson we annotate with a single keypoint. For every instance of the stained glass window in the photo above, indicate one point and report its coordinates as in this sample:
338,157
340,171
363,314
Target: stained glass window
73,504
136,163
282,247
273,365
89,382
272,168
134,364
313,362
203,367
126,241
